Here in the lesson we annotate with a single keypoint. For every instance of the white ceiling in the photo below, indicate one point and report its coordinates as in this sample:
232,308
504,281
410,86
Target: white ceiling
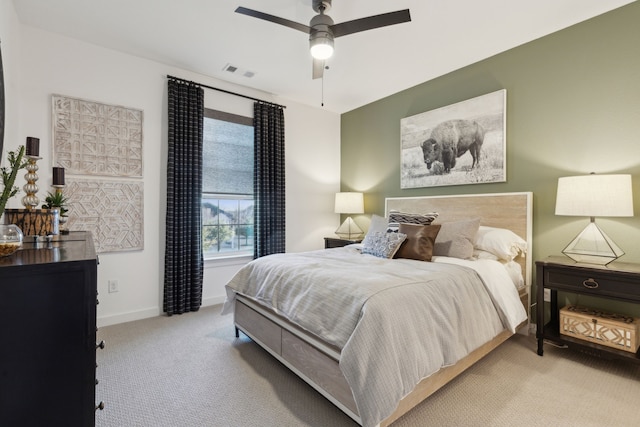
205,35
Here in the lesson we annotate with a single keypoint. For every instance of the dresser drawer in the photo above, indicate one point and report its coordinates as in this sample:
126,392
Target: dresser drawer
593,282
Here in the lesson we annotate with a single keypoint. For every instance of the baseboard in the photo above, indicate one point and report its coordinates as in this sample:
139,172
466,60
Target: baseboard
128,317
206,302
147,313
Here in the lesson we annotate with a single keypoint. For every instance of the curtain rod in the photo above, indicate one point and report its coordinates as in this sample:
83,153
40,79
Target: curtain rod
226,91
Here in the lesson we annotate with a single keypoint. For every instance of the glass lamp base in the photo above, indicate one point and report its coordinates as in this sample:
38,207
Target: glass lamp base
593,246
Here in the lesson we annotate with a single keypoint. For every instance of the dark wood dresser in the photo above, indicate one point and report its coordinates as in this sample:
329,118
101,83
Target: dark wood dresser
48,297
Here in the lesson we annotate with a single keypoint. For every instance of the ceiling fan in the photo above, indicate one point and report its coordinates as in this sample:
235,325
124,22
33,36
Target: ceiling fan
322,30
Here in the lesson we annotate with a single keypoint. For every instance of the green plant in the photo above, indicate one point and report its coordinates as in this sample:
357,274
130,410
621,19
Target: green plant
16,162
56,200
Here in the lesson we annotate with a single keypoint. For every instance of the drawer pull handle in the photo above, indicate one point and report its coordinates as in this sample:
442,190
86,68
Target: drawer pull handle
590,283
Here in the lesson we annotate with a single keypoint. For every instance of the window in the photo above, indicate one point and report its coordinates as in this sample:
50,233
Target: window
227,185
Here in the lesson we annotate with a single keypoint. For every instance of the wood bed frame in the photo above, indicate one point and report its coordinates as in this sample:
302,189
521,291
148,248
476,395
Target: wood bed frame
317,362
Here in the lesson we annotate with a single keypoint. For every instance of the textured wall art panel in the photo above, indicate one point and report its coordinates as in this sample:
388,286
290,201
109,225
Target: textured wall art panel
111,210
90,138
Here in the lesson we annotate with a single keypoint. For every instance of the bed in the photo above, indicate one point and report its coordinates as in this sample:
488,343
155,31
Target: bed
367,351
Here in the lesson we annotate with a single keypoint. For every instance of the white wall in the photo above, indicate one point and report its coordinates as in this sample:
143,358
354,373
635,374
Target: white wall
51,64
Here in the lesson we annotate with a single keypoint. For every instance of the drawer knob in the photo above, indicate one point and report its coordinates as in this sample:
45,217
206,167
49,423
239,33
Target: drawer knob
100,406
590,283
100,345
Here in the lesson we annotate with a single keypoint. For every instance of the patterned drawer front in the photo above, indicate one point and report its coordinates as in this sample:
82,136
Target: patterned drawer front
611,330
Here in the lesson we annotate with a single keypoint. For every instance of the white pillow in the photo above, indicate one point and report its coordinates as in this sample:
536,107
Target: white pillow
480,254
503,243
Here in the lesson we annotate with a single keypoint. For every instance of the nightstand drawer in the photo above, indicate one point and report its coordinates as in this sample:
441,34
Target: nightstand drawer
593,282
332,242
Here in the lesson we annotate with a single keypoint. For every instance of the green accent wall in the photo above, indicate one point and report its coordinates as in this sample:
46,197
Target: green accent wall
573,107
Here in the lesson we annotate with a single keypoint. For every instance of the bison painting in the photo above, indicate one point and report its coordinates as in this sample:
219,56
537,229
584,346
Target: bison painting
450,140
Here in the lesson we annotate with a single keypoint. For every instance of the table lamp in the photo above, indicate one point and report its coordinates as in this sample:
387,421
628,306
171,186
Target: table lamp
594,195
349,203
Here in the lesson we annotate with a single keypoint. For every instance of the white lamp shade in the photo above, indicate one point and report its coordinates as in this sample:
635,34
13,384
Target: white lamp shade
595,195
592,196
349,203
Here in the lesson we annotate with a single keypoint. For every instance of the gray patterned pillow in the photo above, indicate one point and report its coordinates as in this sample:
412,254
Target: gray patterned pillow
383,245
396,218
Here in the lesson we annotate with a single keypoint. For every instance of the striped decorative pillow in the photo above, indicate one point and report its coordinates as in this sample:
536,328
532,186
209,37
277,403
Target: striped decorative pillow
396,218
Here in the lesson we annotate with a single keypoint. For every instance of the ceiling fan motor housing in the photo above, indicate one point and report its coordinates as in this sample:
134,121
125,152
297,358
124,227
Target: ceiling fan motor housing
321,34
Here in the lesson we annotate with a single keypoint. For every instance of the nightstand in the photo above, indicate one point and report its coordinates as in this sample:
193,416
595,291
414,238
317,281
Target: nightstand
336,242
618,281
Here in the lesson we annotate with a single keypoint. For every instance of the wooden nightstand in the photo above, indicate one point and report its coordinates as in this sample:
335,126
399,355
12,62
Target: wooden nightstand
618,280
336,242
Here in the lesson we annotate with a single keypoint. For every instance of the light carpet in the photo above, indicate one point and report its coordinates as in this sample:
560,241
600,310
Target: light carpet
190,370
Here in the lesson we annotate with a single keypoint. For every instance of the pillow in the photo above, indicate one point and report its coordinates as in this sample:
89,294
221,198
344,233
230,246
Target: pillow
480,254
383,245
378,225
396,217
456,239
503,243
419,242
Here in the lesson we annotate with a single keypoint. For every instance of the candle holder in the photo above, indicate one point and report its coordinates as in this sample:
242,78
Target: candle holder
62,217
30,200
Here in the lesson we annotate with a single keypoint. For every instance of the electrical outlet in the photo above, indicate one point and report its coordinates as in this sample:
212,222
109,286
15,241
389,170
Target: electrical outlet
113,286
547,295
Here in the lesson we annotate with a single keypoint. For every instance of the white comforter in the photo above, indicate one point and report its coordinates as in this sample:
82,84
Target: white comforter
396,321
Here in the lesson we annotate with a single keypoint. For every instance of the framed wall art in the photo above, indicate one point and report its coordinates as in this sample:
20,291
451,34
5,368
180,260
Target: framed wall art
92,138
462,143
112,211
100,147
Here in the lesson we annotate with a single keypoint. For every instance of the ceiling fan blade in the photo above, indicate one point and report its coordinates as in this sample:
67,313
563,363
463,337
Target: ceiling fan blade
318,68
371,22
275,19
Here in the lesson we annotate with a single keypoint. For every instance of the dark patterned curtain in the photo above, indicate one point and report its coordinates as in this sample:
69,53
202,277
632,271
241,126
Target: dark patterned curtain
183,263
268,179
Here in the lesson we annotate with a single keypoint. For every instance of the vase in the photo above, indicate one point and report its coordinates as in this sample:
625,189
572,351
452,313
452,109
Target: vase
10,239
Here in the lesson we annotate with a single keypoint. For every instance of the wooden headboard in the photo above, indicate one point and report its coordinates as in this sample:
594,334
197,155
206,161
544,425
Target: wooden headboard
513,211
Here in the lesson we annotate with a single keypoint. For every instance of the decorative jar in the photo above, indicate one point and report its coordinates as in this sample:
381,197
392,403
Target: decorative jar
10,239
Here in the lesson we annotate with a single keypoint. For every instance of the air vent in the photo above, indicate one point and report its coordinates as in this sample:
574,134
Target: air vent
238,71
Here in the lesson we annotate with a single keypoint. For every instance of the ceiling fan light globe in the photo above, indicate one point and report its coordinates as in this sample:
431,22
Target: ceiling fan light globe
321,44
321,50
